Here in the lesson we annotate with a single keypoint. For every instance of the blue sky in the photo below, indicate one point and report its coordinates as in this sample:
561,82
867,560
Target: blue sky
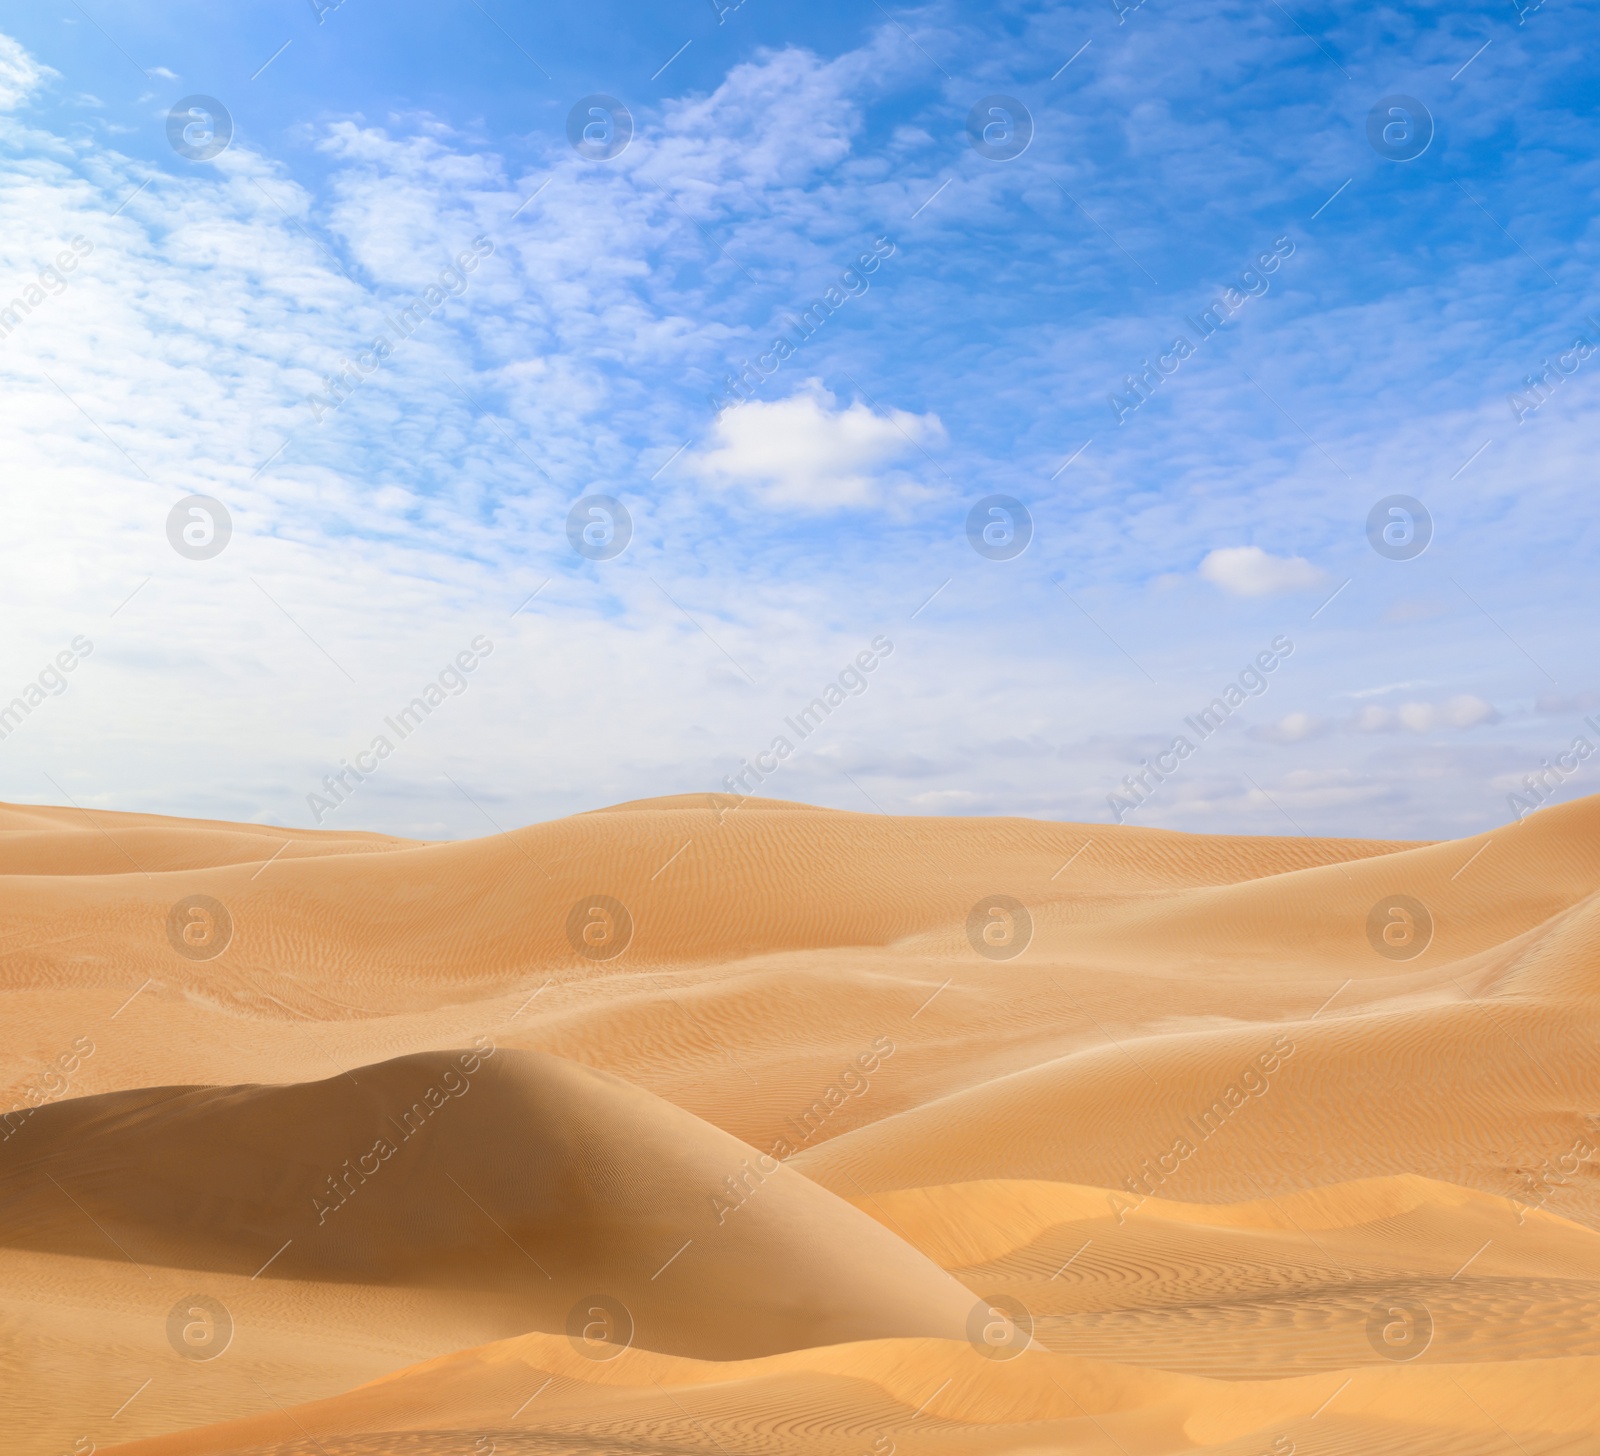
986,353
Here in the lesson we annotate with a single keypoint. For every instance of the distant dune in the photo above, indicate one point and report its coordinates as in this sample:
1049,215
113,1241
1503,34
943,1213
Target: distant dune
704,1125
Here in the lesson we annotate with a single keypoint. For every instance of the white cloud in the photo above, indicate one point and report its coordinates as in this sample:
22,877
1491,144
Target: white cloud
807,453
1465,710
1291,728
1378,692
1248,571
20,74
1418,717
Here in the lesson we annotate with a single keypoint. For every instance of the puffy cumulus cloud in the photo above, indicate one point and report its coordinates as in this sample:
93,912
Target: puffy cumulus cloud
808,453
1374,719
1418,717
1291,728
1465,710
20,74
1248,571
616,282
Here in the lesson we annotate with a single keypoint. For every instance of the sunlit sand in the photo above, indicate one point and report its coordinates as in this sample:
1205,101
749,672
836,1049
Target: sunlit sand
710,1125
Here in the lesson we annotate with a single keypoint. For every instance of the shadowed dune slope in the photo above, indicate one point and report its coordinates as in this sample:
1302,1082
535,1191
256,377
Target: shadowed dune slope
514,1171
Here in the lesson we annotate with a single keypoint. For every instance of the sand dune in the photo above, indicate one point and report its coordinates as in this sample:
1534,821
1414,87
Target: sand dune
47,841
1273,1287
497,1172
1254,1157
919,1396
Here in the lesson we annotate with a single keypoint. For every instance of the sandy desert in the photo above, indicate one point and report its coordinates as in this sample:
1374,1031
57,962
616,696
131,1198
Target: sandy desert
708,1125
830,729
